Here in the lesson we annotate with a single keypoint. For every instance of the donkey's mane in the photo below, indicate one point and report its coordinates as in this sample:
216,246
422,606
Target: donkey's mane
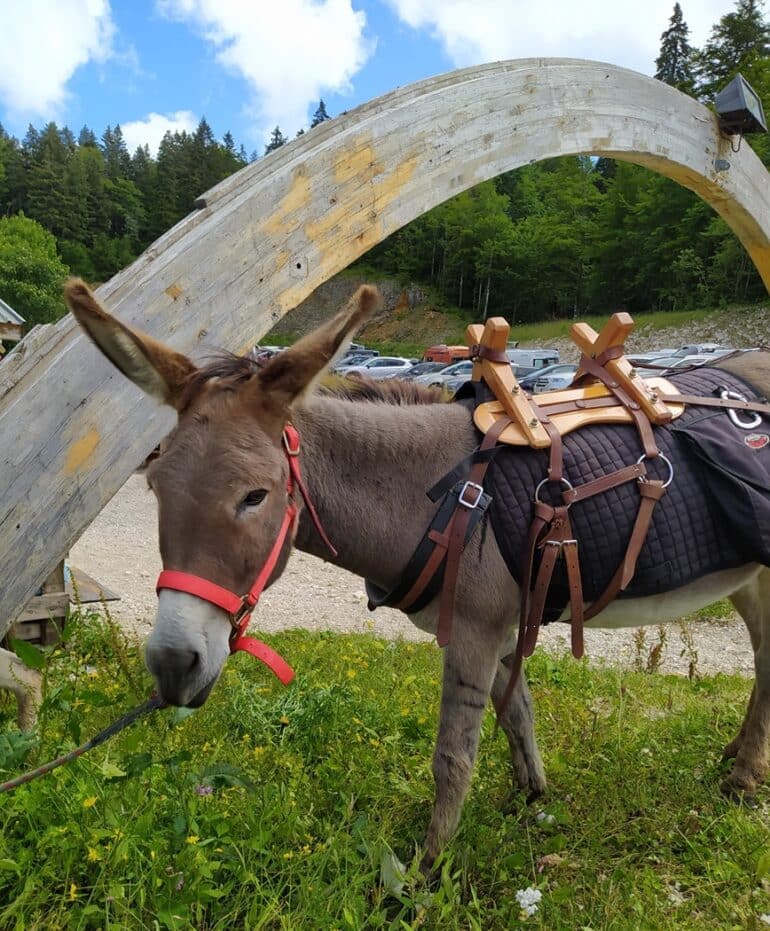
233,370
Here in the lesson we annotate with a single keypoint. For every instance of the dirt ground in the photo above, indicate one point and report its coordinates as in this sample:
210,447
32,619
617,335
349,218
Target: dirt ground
120,550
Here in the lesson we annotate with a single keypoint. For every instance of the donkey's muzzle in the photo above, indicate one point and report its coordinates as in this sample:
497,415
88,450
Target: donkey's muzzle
175,672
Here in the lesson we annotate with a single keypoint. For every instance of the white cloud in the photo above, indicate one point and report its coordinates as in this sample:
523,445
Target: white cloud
290,52
43,43
154,127
616,31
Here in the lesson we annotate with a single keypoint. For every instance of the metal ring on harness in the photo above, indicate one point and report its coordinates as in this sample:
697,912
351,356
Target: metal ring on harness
665,459
565,483
750,424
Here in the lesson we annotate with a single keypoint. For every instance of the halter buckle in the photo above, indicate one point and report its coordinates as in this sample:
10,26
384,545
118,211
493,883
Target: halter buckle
290,439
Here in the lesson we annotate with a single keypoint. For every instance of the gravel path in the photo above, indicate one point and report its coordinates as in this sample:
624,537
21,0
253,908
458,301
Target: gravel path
120,550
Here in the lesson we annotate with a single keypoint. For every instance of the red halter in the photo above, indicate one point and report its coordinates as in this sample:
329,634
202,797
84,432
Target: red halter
239,608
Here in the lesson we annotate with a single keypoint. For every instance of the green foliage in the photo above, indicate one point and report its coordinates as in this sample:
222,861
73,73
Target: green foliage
674,64
291,808
31,272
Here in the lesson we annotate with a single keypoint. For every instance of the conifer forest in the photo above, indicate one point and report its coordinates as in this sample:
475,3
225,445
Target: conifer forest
555,239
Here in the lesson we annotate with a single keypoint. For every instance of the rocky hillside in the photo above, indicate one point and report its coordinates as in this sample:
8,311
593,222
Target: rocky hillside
410,319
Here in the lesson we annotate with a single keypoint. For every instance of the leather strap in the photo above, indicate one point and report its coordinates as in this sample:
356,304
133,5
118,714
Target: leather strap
727,403
457,534
604,483
478,351
651,492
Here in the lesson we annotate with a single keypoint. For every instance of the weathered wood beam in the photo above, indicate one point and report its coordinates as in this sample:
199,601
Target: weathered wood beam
72,429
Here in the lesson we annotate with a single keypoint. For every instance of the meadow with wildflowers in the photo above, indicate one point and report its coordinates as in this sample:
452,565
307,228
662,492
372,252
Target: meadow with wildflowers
302,807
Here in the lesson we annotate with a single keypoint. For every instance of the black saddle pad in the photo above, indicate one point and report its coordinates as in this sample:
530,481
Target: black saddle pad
697,528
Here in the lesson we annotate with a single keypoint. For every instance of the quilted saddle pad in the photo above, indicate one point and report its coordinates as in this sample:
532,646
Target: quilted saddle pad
715,515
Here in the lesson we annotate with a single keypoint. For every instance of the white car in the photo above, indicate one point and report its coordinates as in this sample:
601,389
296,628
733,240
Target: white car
463,367
379,367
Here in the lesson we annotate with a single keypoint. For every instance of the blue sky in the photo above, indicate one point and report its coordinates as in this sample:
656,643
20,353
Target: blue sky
247,65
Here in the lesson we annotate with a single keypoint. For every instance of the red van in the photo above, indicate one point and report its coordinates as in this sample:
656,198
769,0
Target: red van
446,354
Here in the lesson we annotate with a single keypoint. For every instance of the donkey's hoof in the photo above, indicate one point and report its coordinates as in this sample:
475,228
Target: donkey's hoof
534,795
740,794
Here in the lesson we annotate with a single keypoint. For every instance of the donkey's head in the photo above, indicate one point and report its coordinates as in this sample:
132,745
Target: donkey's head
221,482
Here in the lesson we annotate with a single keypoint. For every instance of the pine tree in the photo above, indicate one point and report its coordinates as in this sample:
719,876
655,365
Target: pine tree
674,64
320,115
739,42
87,137
277,139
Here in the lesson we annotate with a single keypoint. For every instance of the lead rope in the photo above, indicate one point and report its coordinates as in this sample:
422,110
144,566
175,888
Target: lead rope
154,703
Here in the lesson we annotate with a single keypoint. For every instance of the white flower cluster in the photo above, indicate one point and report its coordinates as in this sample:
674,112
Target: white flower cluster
528,899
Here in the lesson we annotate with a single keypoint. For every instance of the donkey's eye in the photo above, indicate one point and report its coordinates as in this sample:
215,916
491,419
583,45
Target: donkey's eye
253,498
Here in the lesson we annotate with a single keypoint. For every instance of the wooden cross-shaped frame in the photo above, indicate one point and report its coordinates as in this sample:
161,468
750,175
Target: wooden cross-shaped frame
500,378
614,333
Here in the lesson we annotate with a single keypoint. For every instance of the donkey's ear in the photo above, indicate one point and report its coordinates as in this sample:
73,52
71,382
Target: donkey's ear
155,368
294,372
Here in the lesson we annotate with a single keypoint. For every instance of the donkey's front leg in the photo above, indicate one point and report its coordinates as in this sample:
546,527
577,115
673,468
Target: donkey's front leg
469,669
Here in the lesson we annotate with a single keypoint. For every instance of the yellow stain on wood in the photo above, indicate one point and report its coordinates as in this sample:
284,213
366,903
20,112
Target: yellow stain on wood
292,205
174,291
358,163
355,222
81,451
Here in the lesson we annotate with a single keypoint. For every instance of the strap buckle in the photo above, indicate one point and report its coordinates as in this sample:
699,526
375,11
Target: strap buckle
290,439
751,423
461,499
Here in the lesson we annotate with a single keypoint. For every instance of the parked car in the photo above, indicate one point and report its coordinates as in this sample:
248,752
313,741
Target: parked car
422,368
445,354
556,377
527,381
360,355
356,358
701,349
463,368
699,358
531,360
263,353
379,367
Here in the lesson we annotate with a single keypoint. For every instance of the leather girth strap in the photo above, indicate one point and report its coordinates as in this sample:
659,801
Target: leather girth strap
435,564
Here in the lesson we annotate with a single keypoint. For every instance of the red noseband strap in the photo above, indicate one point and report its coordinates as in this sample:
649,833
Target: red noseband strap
240,608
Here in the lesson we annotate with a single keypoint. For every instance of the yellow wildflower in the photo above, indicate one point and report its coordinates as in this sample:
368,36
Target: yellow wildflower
192,839
283,719
73,892
289,855
93,854
90,801
352,673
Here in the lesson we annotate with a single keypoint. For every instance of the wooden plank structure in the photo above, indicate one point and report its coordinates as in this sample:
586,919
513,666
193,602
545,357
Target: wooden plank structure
72,429
43,617
11,323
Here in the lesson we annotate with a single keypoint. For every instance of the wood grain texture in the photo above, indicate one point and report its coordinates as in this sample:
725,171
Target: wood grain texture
267,237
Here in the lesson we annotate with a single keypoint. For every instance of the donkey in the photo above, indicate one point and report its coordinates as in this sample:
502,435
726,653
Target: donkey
368,456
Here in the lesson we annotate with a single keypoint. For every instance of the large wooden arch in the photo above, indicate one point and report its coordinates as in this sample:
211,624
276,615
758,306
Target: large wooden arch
72,430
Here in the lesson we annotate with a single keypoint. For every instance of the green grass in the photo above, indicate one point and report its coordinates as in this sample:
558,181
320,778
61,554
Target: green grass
276,808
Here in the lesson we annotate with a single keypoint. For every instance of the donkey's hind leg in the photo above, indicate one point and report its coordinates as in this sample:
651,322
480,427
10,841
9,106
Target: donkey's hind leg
517,720
750,746
470,663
